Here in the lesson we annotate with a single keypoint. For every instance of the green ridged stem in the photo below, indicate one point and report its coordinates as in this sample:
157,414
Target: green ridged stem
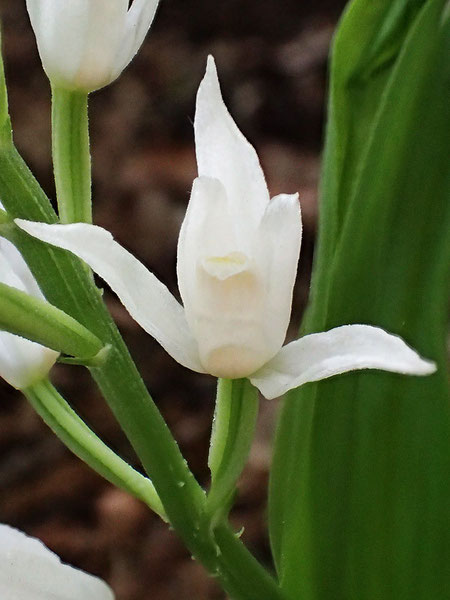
234,425
71,155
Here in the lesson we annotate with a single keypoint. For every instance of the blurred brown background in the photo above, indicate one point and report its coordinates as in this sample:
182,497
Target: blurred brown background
271,57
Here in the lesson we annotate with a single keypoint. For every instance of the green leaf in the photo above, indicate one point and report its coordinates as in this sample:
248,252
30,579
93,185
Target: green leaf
42,322
233,430
359,492
365,50
77,436
5,122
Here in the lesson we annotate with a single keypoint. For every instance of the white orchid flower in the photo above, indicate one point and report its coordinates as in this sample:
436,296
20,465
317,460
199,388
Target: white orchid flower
237,261
30,571
86,44
22,362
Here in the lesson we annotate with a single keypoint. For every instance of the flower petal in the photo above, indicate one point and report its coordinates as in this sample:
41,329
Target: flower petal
206,231
147,300
223,153
29,570
347,348
22,362
138,21
279,239
223,293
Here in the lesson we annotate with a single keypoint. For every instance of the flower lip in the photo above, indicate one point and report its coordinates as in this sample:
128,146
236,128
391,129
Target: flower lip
223,267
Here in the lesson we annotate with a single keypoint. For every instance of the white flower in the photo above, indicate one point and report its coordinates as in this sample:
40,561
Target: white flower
237,260
22,362
86,44
30,571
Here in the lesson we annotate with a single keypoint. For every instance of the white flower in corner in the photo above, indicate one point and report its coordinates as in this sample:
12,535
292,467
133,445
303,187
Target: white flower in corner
30,571
237,260
86,44
22,362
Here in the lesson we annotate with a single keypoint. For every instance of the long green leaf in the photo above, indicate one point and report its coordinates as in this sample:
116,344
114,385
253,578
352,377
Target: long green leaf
366,47
42,322
360,484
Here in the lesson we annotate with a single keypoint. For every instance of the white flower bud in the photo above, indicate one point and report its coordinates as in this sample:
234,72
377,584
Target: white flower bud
86,44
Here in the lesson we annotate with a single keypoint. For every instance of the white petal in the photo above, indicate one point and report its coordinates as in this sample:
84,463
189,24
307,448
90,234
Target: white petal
48,21
139,19
30,571
347,348
78,40
147,300
14,270
207,230
279,240
222,292
22,362
223,153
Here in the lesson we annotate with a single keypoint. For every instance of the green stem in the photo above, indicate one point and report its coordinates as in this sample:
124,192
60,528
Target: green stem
79,438
239,572
4,217
71,156
182,497
234,425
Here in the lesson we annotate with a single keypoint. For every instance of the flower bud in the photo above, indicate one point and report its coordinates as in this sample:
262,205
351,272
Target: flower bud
86,44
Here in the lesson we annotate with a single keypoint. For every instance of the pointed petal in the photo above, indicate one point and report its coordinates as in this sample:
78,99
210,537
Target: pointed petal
139,20
223,153
147,300
30,570
347,348
279,238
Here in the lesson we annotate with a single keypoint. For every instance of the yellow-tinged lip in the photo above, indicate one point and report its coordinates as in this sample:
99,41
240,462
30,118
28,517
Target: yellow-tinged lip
225,266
